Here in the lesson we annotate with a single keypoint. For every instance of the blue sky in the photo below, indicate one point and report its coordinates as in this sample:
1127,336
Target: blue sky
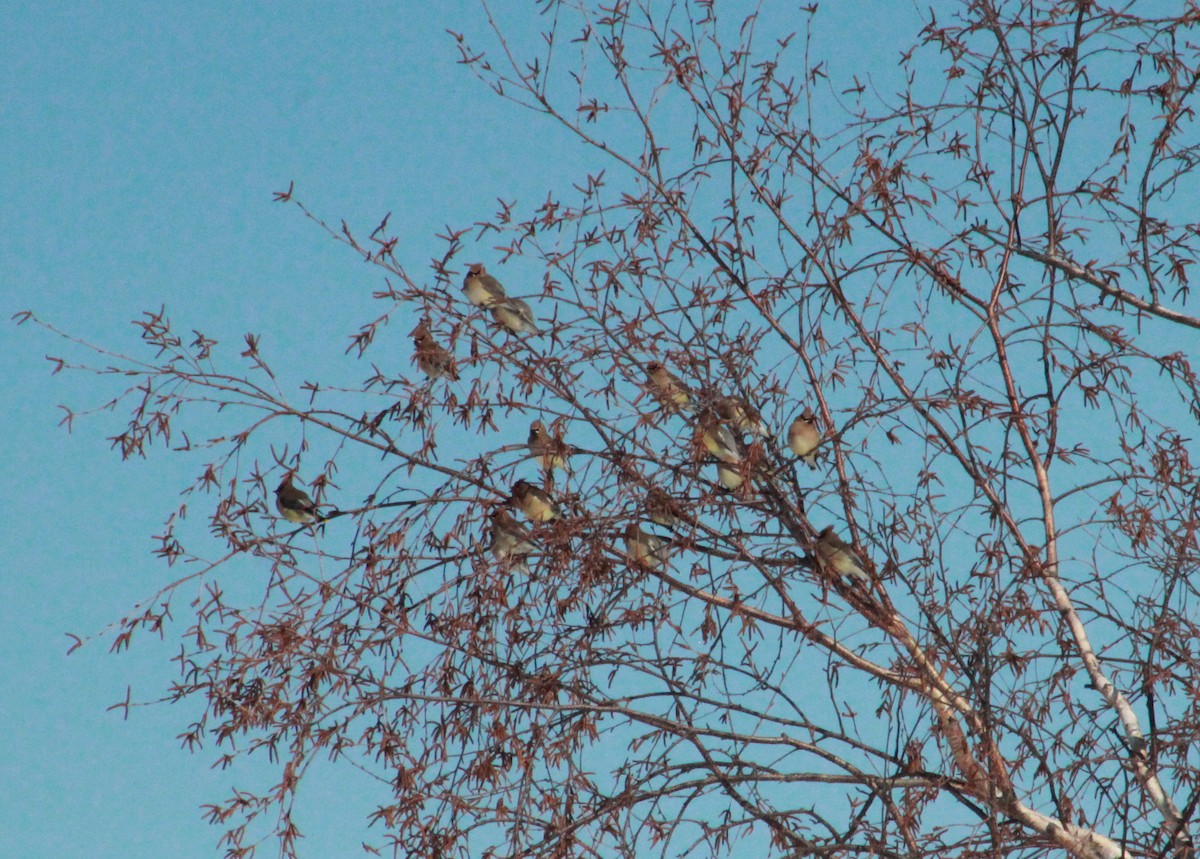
141,151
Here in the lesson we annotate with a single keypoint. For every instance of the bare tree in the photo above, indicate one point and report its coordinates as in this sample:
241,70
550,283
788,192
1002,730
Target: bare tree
947,610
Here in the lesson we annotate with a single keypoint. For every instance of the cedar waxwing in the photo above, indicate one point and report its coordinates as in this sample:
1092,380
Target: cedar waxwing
804,437
730,476
294,504
643,548
433,360
740,415
514,316
716,438
509,538
535,503
662,508
481,288
914,760
551,452
835,553
666,387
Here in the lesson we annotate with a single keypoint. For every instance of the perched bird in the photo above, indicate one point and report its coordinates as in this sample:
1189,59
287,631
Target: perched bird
730,476
740,415
294,504
804,437
432,358
481,288
835,553
914,759
509,538
666,387
550,451
716,438
514,316
662,508
643,548
535,503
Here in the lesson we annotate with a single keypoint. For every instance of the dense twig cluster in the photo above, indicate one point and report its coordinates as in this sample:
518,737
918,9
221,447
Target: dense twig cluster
952,326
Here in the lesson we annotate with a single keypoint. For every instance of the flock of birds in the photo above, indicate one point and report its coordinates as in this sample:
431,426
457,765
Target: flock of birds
720,427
